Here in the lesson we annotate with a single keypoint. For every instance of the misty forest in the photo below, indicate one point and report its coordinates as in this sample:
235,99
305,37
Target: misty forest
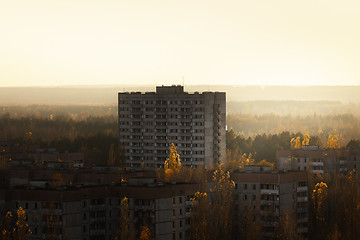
250,139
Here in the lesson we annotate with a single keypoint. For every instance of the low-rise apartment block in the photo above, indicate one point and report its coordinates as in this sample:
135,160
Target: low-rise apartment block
268,194
317,160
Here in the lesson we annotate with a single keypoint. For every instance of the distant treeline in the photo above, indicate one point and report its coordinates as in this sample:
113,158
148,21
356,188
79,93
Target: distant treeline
293,108
346,126
94,130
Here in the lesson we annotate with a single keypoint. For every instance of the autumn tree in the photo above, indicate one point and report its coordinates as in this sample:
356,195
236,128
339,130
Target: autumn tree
221,204
236,162
333,141
172,166
295,143
52,229
21,229
248,227
6,228
319,200
145,233
124,229
348,207
288,226
306,140
199,217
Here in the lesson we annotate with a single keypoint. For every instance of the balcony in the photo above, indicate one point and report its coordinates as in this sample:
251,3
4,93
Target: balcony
302,199
188,203
97,232
269,202
187,214
317,164
97,219
53,211
318,171
302,189
97,207
269,213
270,191
143,207
302,230
271,224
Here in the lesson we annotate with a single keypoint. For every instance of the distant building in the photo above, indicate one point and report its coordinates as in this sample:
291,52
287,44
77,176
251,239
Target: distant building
268,194
93,212
317,160
149,122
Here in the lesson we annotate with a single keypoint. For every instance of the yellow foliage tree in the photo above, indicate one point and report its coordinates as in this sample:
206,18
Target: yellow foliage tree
6,228
21,230
333,141
145,233
306,140
199,217
221,204
319,195
172,165
295,143
237,162
124,229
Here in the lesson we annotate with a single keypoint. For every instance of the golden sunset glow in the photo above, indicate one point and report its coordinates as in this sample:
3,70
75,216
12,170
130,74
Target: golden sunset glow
258,42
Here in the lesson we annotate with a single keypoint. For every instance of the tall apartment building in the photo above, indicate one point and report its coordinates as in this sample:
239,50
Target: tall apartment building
268,194
149,122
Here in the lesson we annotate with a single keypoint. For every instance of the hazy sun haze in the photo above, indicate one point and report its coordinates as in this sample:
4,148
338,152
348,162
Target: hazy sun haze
257,42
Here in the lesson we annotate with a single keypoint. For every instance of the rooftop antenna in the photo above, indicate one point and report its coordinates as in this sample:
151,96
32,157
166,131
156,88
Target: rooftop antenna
183,81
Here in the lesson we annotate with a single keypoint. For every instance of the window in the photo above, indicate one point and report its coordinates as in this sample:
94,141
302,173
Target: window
180,223
35,205
254,186
180,235
180,211
245,186
180,199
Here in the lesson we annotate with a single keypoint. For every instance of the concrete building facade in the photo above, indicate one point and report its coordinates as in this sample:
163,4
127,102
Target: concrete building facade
266,195
149,122
317,160
94,213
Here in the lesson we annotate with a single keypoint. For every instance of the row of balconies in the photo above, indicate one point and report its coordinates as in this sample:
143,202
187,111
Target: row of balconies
97,207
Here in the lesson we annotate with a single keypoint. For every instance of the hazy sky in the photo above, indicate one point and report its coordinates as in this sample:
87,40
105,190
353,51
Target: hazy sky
252,42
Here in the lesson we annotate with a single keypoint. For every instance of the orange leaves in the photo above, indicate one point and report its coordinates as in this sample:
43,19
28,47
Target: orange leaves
295,143
306,140
173,162
172,165
333,141
145,233
223,185
319,196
